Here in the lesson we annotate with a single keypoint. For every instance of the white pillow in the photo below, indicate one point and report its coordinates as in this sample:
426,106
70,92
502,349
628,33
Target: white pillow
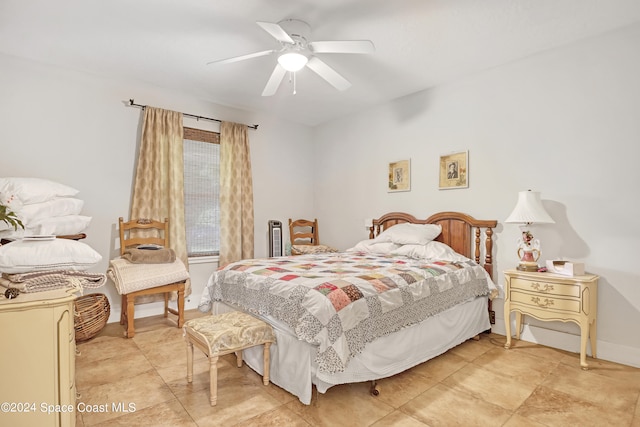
23,256
61,225
432,250
33,190
55,226
60,206
410,234
372,247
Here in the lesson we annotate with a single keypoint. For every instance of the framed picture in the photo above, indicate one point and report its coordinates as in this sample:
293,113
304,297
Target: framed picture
454,170
400,176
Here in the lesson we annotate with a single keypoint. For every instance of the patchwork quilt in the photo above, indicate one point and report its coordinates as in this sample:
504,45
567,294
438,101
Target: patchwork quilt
342,301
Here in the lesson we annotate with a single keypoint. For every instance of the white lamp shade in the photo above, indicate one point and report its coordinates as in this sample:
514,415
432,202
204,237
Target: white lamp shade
529,210
292,61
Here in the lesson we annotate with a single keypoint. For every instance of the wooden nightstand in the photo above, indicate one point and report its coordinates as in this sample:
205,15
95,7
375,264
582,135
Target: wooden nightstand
552,297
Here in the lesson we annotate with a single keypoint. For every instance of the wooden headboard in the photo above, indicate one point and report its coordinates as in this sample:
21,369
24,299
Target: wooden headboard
460,231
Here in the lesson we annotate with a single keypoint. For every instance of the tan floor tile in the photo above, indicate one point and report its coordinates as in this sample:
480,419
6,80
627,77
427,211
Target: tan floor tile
471,349
167,351
517,364
501,390
150,371
104,347
542,352
348,405
170,414
520,421
443,406
279,417
597,389
143,390
398,419
608,369
110,370
176,376
397,390
440,367
553,408
233,407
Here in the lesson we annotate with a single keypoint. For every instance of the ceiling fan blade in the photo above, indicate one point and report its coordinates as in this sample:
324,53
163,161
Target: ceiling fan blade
242,57
345,46
274,81
328,73
276,32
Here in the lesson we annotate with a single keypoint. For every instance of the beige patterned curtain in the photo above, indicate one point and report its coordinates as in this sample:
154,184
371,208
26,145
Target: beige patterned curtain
236,194
158,191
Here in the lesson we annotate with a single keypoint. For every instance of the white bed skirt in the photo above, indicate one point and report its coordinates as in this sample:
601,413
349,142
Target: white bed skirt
292,367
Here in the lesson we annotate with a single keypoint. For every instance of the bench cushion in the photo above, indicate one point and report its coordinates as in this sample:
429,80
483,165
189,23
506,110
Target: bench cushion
230,331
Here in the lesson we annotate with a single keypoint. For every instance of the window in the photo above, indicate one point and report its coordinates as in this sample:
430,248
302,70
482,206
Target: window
202,191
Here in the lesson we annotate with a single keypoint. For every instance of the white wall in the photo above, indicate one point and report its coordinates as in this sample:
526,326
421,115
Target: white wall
564,123
74,128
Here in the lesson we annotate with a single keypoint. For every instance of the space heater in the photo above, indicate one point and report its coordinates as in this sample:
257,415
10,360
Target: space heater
275,238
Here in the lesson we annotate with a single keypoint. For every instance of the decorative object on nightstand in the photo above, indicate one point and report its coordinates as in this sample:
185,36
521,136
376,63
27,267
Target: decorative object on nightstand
529,210
552,297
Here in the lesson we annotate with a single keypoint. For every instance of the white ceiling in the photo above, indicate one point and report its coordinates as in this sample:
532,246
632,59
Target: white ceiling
419,43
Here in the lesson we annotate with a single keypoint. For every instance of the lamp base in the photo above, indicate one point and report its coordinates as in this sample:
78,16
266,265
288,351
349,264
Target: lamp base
527,266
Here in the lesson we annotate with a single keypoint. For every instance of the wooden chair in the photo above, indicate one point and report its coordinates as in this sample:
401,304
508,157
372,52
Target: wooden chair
304,232
305,238
147,232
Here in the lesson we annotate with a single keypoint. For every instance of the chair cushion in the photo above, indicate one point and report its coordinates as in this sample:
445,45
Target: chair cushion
233,330
311,249
129,277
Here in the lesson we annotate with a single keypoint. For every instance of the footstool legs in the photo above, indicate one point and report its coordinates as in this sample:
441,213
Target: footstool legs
189,361
212,334
213,380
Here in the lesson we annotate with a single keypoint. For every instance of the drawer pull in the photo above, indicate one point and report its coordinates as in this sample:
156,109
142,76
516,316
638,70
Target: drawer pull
547,287
546,302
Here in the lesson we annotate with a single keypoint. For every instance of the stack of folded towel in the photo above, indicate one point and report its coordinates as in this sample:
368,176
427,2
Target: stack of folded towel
149,256
34,265
139,269
39,281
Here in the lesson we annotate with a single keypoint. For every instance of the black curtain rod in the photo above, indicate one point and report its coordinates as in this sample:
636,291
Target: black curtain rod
133,104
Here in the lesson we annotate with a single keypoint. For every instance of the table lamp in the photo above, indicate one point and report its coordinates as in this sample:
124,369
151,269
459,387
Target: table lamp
529,210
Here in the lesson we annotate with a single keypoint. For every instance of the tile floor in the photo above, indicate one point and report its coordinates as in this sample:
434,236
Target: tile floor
142,382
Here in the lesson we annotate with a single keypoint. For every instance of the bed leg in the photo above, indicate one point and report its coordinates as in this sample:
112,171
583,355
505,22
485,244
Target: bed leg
373,388
476,338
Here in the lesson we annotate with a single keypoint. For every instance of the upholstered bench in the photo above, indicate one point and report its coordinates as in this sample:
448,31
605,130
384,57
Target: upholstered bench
221,334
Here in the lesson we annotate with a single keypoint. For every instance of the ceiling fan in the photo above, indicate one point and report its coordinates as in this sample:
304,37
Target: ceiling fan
296,52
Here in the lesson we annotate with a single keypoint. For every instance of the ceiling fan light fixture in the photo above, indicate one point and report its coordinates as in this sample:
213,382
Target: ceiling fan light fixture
292,61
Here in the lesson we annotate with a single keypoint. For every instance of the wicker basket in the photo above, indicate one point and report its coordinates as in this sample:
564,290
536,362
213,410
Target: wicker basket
92,313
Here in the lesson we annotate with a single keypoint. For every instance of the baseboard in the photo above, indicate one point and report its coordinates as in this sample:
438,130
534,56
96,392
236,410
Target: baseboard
569,342
151,309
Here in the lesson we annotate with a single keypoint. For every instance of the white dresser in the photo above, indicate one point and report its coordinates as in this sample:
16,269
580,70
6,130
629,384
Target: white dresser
37,359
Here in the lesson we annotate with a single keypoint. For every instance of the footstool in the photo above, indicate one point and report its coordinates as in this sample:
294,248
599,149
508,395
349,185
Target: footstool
221,334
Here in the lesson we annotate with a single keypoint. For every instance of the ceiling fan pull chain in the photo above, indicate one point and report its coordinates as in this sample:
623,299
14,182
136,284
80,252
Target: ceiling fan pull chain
294,83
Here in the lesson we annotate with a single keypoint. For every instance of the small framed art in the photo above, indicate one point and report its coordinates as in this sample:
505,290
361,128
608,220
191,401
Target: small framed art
454,170
400,176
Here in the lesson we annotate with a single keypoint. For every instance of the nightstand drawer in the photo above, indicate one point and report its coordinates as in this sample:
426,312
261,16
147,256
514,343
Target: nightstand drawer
543,287
546,302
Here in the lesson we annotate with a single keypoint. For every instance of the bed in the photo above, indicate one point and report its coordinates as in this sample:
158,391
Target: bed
413,290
